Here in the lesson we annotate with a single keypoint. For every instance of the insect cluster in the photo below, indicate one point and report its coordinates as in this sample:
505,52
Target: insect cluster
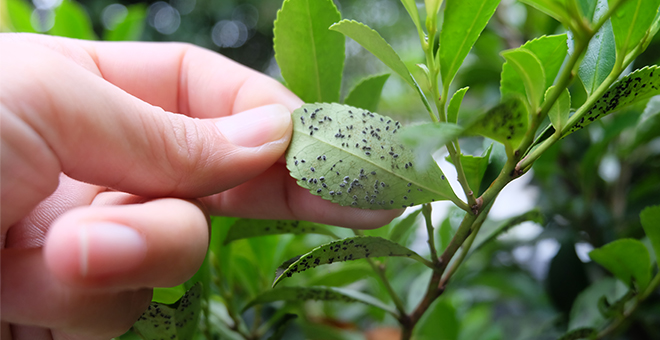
352,157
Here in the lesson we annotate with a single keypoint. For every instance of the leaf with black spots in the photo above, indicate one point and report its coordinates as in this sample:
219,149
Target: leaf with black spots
247,227
506,123
177,321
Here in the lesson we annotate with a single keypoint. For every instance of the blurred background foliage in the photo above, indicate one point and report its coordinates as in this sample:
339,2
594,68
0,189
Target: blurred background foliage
590,188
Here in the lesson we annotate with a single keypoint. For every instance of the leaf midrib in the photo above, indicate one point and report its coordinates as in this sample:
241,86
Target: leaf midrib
315,59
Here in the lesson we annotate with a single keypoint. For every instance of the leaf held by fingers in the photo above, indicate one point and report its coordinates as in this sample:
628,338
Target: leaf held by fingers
177,321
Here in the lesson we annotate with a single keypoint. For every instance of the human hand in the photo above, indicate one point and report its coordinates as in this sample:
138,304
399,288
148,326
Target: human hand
106,151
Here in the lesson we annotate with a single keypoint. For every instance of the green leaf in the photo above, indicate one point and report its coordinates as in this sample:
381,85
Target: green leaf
580,333
402,229
168,295
599,59
631,21
348,249
411,8
530,71
177,321
584,312
432,6
428,138
648,124
491,229
281,326
18,16
455,105
637,86
366,94
310,56
318,293
463,23
353,157
588,7
553,8
246,228
131,27
560,109
505,123
72,21
345,274
550,50
474,168
627,259
439,322
650,218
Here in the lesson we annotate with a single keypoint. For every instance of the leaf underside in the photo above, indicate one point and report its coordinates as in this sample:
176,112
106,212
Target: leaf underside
348,249
505,123
177,321
246,228
639,85
353,157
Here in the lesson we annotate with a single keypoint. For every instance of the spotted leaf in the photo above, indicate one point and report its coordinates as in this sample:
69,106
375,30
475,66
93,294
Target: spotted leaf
639,85
348,249
505,123
177,321
318,293
353,157
246,228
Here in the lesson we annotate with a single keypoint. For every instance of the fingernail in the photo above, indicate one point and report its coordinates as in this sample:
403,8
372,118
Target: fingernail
109,248
257,126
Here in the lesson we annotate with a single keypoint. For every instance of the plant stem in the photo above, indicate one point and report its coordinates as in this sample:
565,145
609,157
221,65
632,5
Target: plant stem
379,268
426,211
239,324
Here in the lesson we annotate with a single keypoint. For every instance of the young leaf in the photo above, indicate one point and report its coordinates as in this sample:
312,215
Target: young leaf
650,218
600,56
559,111
353,157
310,56
246,228
580,333
553,8
551,51
366,94
281,326
639,85
475,168
348,249
177,321
411,8
505,123
404,227
428,138
627,259
631,21
530,70
463,23
455,105
318,293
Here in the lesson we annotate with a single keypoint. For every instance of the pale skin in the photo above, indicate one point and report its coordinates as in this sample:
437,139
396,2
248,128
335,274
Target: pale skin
113,155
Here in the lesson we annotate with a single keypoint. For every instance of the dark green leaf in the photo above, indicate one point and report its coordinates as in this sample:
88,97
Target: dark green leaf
553,8
281,326
474,168
599,59
366,94
505,123
650,218
310,56
131,27
72,21
17,16
319,293
580,333
246,228
560,109
177,321
639,85
585,313
348,249
631,21
463,23
530,71
353,157
439,322
428,138
627,259
402,229
455,105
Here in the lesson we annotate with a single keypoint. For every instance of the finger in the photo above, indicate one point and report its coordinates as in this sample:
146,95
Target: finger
145,150
275,195
32,296
154,244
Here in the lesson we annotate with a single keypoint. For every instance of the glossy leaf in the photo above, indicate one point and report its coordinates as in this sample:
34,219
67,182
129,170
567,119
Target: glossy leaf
550,50
281,326
639,85
348,249
559,111
600,56
505,123
530,71
627,259
353,157
131,27
318,293
366,94
310,56
428,138
72,21
631,21
17,16
580,333
455,105
246,228
650,218
463,23
553,8
176,321
439,322
474,168
405,226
